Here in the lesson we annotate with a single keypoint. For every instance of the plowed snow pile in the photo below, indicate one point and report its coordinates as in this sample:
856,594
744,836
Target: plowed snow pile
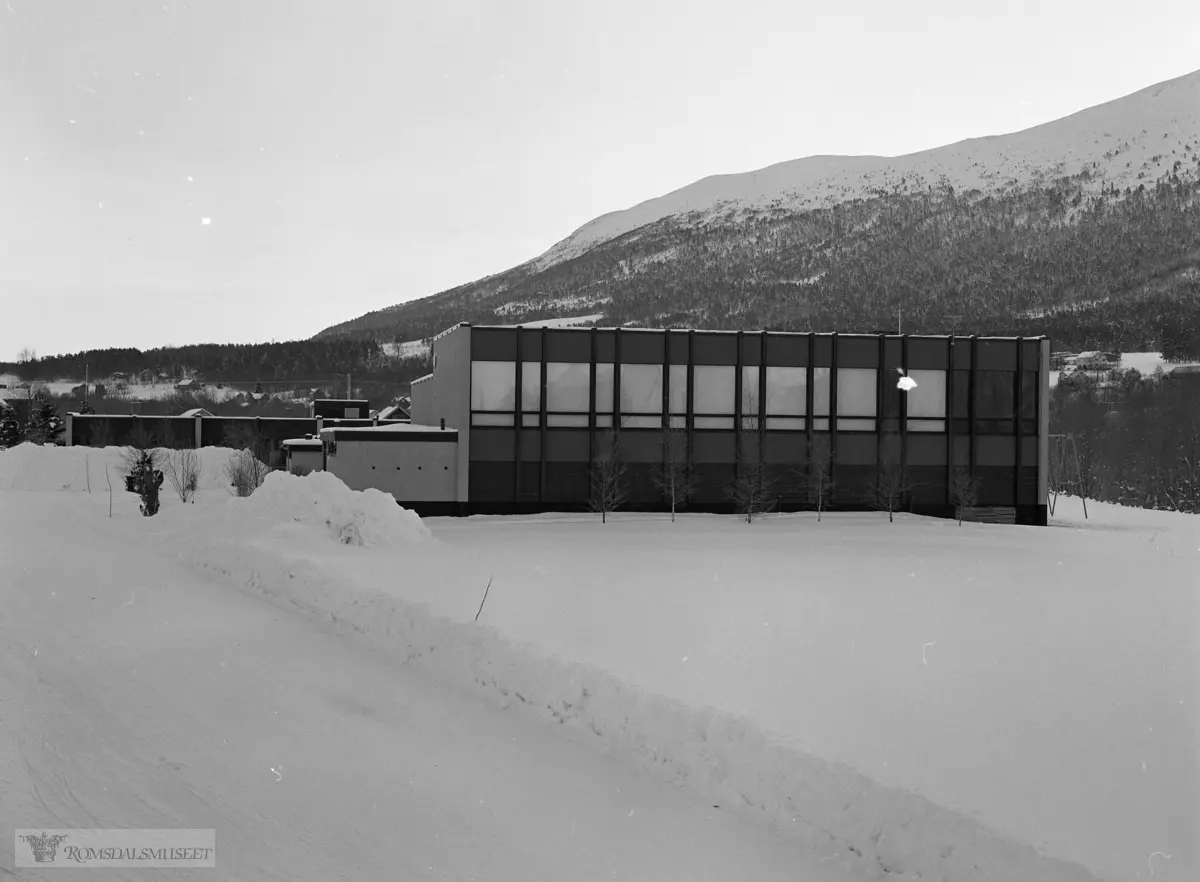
354,517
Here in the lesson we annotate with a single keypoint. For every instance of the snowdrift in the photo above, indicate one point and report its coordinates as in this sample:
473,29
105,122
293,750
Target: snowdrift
354,517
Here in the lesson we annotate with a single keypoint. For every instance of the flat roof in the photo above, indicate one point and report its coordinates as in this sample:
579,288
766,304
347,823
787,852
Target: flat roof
623,329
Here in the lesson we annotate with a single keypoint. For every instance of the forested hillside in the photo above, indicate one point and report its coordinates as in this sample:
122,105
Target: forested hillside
1102,270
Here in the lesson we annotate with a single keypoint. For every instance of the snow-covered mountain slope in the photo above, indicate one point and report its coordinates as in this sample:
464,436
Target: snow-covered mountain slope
1116,141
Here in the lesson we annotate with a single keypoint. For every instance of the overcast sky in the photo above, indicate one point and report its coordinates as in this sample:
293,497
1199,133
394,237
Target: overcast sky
351,155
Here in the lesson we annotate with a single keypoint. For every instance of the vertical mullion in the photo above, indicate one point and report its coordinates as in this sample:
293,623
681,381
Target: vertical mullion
518,417
690,416
950,372
809,361
1017,415
738,426
972,392
904,405
833,404
542,424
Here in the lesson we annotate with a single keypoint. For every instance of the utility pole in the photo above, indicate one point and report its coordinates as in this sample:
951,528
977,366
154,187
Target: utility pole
348,392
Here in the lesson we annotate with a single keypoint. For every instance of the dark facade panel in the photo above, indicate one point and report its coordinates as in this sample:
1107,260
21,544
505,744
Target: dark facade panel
926,450
568,346
677,347
567,445
491,481
531,445
493,344
785,447
852,484
493,445
640,478
858,352
926,354
787,350
529,484
927,483
606,347
1032,352
640,446
858,450
893,352
531,344
996,355
1027,486
642,347
567,482
713,348
752,346
962,353
822,350
712,481
996,450
714,447
995,485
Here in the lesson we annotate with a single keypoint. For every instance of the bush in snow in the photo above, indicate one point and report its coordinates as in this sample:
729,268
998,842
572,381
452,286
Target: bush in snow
609,487
143,477
183,471
245,473
10,432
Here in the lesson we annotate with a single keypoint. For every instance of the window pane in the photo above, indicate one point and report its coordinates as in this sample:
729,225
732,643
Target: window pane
928,399
994,394
713,422
641,422
678,392
493,385
714,388
604,388
641,388
564,419
567,386
750,392
530,419
492,419
793,424
926,425
845,425
856,392
786,390
531,385
821,391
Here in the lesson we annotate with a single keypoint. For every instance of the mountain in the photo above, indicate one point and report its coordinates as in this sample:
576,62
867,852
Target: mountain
1087,228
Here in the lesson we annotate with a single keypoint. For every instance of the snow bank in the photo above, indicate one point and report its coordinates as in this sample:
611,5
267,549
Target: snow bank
877,832
33,467
365,518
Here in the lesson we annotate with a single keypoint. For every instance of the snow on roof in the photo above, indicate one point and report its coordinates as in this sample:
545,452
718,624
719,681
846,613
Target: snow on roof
301,442
394,427
196,412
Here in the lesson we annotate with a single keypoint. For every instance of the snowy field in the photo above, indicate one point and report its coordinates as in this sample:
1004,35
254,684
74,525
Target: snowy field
916,700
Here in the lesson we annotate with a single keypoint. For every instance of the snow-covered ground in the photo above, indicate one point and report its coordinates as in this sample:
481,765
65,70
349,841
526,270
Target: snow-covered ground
912,700
136,692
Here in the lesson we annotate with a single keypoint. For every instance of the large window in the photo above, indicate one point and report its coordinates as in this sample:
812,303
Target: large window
604,388
928,399
568,387
641,388
994,397
786,394
493,385
714,393
856,399
821,399
531,385
678,392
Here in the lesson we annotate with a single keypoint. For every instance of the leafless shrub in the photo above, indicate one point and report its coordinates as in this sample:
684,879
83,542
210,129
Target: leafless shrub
964,491
183,471
819,477
889,486
245,473
608,482
675,482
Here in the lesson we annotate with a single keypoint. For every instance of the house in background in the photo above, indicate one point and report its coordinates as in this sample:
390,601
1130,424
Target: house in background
196,412
187,386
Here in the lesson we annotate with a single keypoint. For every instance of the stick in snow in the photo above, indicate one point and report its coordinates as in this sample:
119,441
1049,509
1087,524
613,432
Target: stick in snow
485,594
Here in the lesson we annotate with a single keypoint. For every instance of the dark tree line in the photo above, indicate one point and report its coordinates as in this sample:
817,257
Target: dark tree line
1142,451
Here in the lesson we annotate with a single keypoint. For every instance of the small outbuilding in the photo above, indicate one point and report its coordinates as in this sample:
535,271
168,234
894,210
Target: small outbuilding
418,465
303,453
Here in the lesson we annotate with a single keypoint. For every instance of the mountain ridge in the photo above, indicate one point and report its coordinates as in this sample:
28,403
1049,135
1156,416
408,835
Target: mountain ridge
838,241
